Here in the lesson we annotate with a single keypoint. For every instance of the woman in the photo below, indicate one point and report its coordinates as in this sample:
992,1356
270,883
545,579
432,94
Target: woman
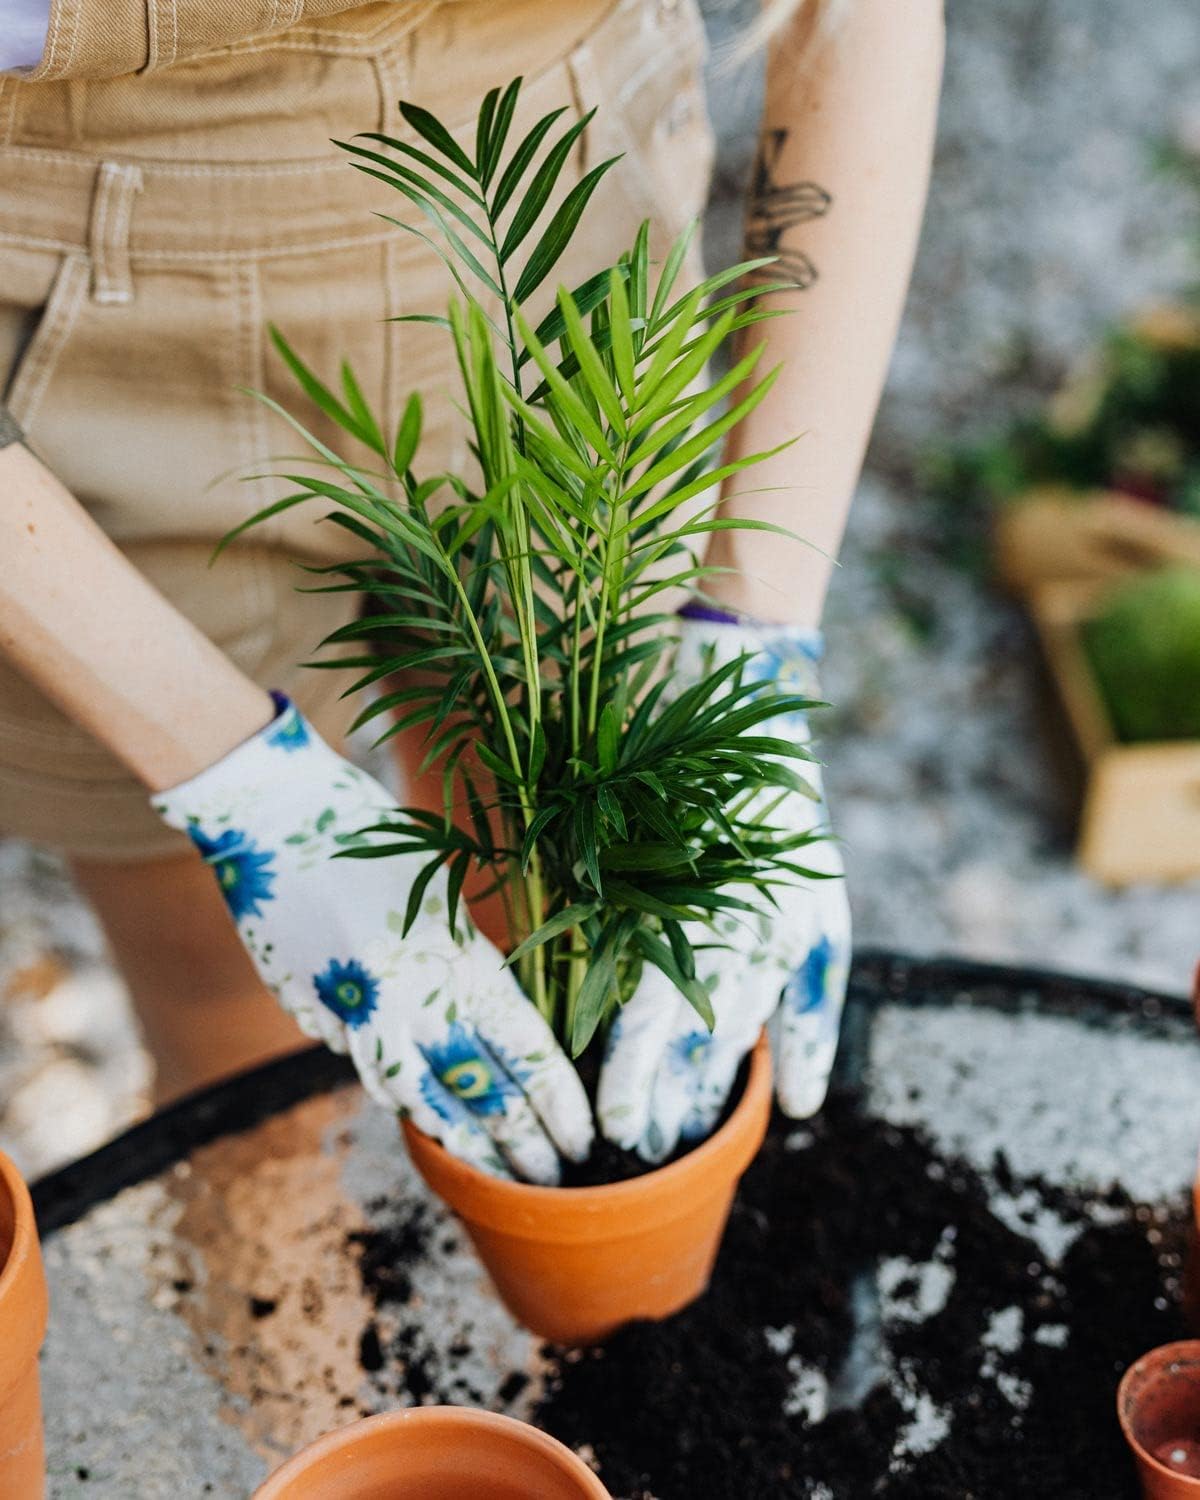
166,190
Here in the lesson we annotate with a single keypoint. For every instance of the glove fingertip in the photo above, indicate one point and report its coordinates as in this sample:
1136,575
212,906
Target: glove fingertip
620,1133
539,1173
653,1152
573,1138
802,1101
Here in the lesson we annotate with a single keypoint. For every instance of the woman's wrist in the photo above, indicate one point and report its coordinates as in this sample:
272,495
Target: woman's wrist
208,731
736,591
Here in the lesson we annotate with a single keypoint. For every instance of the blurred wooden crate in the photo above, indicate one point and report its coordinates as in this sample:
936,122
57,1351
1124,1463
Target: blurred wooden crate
1140,817
1052,535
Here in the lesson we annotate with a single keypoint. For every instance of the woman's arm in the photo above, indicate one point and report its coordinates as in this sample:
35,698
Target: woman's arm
838,193
83,624
267,813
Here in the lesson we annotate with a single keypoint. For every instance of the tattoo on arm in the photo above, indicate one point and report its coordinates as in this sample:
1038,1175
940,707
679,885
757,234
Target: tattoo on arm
776,209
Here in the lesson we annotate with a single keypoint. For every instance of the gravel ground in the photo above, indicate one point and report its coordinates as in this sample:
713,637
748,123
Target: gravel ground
1046,221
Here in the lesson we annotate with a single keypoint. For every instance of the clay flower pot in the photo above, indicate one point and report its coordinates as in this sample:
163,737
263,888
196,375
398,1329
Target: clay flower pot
1158,1404
23,1309
435,1453
574,1264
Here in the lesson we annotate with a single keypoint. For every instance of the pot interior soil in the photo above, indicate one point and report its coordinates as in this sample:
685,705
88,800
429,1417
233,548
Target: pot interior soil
608,1163
873,1328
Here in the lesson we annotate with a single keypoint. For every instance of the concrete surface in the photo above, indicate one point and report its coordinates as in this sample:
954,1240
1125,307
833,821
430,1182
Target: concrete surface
168,1281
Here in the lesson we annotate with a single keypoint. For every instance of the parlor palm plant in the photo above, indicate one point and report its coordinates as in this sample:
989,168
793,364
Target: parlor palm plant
515,614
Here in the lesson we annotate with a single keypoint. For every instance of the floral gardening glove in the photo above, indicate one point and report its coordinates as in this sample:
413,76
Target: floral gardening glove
437,1026
665,1075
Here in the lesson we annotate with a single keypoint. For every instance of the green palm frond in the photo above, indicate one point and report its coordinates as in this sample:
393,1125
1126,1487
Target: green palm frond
510,616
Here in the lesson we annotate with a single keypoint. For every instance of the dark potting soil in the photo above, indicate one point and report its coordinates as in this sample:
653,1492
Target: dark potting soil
790,1379
399,1359
705,1405
608,1163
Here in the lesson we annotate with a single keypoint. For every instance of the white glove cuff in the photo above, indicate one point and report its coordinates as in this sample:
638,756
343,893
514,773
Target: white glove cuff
272,771
786,655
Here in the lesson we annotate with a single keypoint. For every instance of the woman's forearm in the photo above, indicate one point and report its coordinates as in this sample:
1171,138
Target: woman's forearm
838,193
83,624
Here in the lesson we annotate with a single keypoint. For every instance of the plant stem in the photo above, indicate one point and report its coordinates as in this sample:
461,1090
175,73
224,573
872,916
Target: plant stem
576,970
615,513
534,890
576,650
535,894
526,618
534,879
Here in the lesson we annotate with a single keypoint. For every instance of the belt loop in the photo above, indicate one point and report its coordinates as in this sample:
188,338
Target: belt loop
108,234
8,108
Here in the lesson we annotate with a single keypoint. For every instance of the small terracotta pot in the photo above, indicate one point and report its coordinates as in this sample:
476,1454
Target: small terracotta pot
23,1310
1191,1264
435,1453
1158,1403
574,1264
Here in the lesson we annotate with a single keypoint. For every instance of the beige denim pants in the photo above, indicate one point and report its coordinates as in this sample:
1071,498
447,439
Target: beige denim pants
167,189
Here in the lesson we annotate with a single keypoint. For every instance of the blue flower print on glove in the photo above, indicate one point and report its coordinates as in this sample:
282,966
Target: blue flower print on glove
787,663
468,1072
243,870
808,988
689,1052
289,731
334,941
349,990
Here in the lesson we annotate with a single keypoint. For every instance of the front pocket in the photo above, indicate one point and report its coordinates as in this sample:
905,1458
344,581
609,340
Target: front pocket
41,350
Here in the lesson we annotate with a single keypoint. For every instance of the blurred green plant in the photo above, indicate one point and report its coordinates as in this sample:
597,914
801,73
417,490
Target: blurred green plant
1144,651
511,616
1129,420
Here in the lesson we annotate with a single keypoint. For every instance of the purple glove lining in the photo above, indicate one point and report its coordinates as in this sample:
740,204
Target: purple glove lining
810,642
694,610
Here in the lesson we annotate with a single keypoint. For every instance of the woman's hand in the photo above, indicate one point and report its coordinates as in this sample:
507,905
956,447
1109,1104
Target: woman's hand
665,1076
435,1023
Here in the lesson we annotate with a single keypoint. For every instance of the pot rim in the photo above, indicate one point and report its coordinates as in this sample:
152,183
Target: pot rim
23,1303
450,1418
1182,1351
736,1140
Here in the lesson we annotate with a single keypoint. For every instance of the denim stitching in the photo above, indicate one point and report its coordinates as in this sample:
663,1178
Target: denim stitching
50,54
253,253
41,358
252,373
108,241
312,38
155,166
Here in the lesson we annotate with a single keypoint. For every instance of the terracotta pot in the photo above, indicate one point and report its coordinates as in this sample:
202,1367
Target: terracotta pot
23,1309
1158,1404
435,1453
574,1264
1190,1300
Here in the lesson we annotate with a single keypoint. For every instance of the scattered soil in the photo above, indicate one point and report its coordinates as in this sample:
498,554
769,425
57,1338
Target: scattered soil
873,1329
388,1250
705,1405
394,1350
